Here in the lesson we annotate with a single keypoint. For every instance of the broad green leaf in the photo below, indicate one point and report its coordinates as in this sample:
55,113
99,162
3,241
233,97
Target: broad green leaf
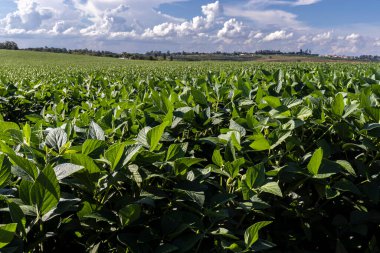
338,105
85,161
273,102
45,192
56,138
260,144
272,188
251,234
4,126
176,151
315,161
92,145
96,132
7,233
347,166
129,214
154,135
114,154
66,169
217,158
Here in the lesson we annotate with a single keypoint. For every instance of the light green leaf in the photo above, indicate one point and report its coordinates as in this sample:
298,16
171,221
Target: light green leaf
4,126
260,144
315,161
347,166
154,135
114,154
272,188
85,161
7,233
274,102
91,145
217,158
251,234
27,132
338,105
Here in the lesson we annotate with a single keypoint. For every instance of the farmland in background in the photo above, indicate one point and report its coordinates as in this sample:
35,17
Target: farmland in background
110,155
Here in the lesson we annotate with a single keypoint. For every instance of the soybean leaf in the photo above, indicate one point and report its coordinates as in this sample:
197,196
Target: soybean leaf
92,145
114,154
217,158
154,135
260,145
66,169
96,132
338,105
315,161
45,192
56,138
272,188
7,233
251,234
5,171
347,166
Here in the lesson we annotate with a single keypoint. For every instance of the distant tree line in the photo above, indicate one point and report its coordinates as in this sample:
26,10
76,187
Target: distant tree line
10,45
74,51
278,52
182,55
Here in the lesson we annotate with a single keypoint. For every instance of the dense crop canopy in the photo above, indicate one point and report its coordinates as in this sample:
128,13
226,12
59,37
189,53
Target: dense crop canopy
187,158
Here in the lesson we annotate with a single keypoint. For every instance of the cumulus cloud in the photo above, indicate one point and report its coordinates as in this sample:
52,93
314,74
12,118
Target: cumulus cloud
278,35
231,29
197,25
353,37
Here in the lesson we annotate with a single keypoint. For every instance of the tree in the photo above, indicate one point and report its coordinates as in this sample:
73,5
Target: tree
10,45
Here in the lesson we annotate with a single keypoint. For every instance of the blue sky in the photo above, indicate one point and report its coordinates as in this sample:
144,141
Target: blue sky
344,27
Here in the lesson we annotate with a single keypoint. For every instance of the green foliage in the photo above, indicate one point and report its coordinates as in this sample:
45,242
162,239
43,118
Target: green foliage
189,157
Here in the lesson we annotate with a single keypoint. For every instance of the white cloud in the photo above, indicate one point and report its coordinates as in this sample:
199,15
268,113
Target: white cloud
322,37
353,37
278,35
231,29
305,2
197,25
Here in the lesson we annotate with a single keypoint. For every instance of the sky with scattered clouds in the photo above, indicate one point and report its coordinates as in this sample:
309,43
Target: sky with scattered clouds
344,27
